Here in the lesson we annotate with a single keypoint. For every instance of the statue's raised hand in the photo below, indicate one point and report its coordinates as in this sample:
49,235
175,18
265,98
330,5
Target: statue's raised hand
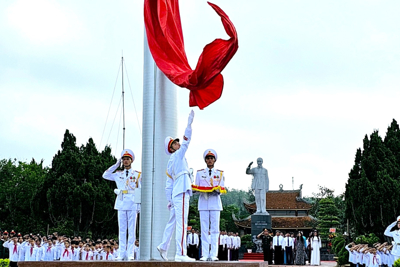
251,163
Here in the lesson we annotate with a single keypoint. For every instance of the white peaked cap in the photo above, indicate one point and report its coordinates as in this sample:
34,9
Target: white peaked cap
128,153
210,152
398,218
167,144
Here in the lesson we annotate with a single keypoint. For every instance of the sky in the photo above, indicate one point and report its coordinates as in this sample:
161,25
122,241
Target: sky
310,79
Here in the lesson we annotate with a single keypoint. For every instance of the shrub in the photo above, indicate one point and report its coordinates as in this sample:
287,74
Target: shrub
4,262
369,239
397,263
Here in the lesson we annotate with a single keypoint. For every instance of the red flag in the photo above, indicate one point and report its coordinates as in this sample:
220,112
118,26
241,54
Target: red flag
165,38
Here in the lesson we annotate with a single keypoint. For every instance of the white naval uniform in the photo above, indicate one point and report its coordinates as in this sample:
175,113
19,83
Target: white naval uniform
209,207
178,190
395,234
126,180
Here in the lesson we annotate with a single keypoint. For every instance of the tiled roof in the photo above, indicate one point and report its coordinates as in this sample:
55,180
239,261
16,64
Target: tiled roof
304,222
282,200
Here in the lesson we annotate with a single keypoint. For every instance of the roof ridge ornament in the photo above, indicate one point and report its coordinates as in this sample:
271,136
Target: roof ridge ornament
281,187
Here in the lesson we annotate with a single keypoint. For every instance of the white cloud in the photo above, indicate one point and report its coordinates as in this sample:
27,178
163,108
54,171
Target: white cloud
44,22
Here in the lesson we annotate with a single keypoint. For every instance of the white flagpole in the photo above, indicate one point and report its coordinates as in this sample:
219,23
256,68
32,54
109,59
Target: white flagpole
159,121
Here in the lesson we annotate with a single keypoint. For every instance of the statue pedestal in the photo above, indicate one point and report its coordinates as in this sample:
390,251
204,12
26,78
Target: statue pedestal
258,223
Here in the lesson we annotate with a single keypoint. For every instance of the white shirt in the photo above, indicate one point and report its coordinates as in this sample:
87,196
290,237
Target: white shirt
39,253
87,255
236,242
225,240
192,239
66,254
277,241
222,240
30,253
288,242
210,201
21,256
49,253
109,257
229,241
14,250
136,252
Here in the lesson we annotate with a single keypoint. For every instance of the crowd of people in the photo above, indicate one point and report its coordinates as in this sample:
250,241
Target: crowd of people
290,249
228,245
30,247
365,256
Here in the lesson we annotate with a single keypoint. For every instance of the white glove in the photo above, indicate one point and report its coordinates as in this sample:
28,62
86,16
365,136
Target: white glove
191,116
115,166
169,205
117,191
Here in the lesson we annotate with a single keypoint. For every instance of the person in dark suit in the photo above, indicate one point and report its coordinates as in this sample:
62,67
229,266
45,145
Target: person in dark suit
266,245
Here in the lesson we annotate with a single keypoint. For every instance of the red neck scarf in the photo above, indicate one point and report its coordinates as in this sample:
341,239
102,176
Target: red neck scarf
31,250
15,248
66,250
87,255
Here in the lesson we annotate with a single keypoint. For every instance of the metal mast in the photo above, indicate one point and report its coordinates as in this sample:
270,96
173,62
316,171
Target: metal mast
123,105
159,121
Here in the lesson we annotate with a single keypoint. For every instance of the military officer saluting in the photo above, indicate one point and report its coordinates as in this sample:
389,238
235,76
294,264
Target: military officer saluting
210,204
127,181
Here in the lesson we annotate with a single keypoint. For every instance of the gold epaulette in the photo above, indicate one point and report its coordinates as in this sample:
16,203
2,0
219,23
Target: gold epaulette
200,170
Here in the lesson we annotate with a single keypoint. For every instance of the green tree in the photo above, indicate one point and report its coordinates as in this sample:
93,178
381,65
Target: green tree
371,197
327,217
79,199
323,193
236,197
226,220
21,195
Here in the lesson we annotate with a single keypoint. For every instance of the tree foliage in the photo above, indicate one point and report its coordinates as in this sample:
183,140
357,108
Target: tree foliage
371,198
327,217
338,201
77,193
21,186
70,196
338,247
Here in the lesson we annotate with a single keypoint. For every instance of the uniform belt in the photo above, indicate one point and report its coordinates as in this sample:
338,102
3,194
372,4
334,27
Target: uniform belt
128,191
180,174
